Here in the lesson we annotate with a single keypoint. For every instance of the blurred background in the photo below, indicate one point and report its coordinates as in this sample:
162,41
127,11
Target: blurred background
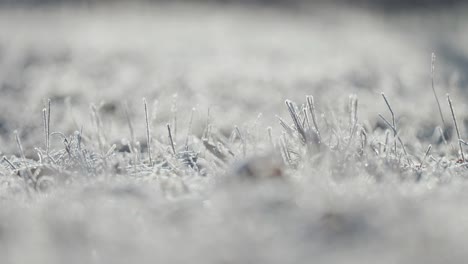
362,3
240,59
233,63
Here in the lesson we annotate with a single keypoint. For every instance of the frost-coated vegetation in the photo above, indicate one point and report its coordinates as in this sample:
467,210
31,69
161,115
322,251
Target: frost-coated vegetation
219,134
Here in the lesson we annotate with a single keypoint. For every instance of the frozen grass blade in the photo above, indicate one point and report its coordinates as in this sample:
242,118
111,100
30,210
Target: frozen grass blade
46,124
363,137
99,128
433,59
148,132
353,103
207,130
425,156
171,140
306,122
174,115
242,138
270,137
286,155
398,138
9,163
286,127
311,106
387,139
19,145
296,120
24,160
46,131
393,125
456,128
354,109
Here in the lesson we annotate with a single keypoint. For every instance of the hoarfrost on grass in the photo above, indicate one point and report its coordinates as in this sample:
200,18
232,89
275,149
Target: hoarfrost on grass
322,178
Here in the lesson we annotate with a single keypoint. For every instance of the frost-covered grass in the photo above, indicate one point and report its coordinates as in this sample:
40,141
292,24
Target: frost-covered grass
264,136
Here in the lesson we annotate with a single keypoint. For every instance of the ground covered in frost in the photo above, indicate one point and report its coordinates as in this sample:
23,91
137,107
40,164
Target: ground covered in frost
259,139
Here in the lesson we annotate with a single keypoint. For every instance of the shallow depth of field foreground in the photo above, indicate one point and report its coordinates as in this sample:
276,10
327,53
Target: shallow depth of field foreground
233,133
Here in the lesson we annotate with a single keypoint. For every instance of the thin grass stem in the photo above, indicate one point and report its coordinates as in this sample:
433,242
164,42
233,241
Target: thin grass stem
148,132
456,127
171,140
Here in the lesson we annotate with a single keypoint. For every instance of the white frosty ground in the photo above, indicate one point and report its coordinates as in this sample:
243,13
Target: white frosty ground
238,197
